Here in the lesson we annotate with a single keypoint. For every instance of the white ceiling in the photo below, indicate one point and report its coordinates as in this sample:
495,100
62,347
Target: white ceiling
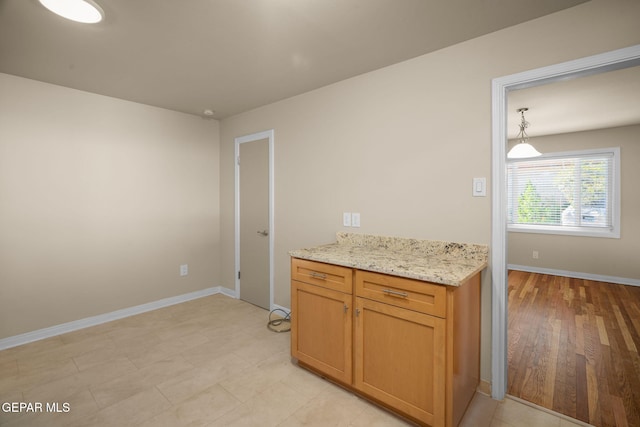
235,55
597,101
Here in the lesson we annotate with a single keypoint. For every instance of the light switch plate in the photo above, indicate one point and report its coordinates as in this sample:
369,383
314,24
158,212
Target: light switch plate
479,187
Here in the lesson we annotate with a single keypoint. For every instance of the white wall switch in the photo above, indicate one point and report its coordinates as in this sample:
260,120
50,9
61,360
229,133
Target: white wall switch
346,219
355,219
184,269
479,187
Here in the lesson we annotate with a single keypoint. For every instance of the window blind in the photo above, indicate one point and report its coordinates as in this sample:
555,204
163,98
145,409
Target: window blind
566,191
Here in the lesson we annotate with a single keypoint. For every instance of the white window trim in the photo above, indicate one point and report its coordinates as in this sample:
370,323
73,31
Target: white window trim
612,233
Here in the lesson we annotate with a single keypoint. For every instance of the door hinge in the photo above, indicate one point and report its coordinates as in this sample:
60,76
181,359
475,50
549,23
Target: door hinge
238,159
238,275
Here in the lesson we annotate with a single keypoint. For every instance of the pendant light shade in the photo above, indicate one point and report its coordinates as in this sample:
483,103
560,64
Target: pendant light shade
84,11
523,149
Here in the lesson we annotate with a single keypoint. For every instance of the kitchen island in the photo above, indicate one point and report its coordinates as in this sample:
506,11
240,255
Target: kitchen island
395,320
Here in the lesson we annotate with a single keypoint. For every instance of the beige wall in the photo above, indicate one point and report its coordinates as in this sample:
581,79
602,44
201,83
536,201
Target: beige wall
608,257
401,145
101,200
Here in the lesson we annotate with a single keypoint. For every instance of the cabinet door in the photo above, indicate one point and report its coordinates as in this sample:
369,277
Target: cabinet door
321,329
400,359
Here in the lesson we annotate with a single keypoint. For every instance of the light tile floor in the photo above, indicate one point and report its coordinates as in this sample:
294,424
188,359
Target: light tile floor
208,362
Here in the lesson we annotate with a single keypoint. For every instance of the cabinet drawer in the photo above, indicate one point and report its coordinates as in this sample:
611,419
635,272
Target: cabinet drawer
321,274
407,293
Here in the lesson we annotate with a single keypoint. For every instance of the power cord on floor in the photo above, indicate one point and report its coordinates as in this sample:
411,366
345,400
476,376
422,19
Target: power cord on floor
279,324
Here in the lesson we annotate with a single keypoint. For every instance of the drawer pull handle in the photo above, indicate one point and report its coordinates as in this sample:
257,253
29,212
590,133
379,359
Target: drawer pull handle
395,293
317,275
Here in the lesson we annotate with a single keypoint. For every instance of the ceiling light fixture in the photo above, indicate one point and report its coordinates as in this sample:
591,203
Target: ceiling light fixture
85,11
208,113
523,149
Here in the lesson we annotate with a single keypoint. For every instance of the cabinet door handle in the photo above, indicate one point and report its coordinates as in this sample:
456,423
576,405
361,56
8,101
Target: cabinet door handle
317,275
395,293
357,312
346,307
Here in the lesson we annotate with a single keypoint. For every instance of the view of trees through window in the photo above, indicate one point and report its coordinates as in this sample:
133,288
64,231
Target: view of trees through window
562,191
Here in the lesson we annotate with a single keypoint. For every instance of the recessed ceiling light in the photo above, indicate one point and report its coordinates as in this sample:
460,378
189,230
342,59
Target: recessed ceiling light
85,11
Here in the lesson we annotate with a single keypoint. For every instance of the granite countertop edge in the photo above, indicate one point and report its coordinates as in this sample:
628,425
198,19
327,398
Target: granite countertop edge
446,263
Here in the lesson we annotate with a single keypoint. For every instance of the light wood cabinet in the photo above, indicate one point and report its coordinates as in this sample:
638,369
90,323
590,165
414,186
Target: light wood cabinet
399,359
412,346
321,329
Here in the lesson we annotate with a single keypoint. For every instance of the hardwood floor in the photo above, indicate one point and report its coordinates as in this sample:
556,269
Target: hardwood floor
573,347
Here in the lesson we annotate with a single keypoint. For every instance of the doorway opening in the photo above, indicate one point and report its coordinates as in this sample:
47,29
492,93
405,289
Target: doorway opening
609,61
254,218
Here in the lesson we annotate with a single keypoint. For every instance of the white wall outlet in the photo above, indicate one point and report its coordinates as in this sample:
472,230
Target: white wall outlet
346,219
184,269
535,254
479,187
355,219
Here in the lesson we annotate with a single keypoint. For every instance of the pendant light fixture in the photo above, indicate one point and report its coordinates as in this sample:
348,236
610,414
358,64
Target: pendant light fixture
84,11
523,149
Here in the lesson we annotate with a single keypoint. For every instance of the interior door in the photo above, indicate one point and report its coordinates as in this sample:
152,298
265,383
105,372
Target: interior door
254,222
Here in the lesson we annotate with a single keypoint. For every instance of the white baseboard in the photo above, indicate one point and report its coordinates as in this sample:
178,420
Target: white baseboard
63,328
279,307
228,292
232,293
576,275
484,387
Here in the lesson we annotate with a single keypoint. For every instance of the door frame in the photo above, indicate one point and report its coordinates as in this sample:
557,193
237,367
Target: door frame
269,135
608,61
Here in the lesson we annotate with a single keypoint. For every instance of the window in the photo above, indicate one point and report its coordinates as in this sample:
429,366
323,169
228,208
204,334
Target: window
574,193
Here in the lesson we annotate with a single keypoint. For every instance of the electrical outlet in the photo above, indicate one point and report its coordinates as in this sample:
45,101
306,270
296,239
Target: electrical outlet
346,219
184,269
535,254
355,219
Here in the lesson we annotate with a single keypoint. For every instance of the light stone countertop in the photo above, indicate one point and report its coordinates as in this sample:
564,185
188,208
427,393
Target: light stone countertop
446,263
